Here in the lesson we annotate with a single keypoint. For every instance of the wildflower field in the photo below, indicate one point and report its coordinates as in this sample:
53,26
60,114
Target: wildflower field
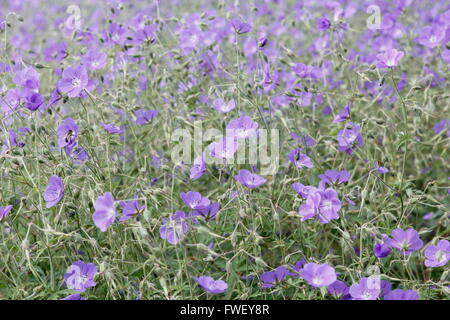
260,149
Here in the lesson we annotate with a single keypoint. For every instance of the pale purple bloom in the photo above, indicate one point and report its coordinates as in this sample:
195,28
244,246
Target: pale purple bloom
303,190
310,208
338,289
382,170
10,101
365,290
242,127
382,249
75,296
272,278
405,241
67,133
198,169
54,191
223,106
333,177
105,212
437,255
432,36
299,159
207,213
210,285
144,116
240,27
130,209
399,294
225,148
323,24
305,71
389,59
95,59
318,275
343,115
322,204
174,227
80,276
442,125
349,138
4,211
33,101
74,80
249,180
111,128
195,200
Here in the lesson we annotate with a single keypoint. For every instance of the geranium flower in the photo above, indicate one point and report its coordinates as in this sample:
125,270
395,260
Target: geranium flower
210,285
105,212
54,191
437,255
405,241
249,180
80,276
318,275
174,228
74,80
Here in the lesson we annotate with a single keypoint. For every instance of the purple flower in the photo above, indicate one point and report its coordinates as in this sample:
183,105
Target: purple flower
195,200
300,160
332,177
310,208
322,204
399,294
111,128
198,168
67,133
105,212
144,116
323,24
382,250
130,209
242,127
54,191
80,276
28,78
174,227
75,296
33,101
305,71
329,206
225,148
364,290
343,115
389,59
221,106
10,101
338,289
249,180
208,213
4,211
240,27
437,255
349,138
432,36
210,285
272,278
442,125
94,59
303,190
74,80
318,275
405,241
